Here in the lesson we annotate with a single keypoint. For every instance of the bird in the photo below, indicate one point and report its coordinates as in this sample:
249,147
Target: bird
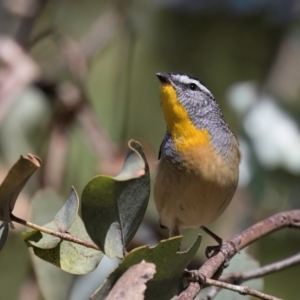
198,165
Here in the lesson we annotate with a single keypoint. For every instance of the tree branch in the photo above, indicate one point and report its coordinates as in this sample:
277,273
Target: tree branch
240,277
290,219
62,235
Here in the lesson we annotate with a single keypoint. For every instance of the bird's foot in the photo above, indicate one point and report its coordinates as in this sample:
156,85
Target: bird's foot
211,251
222,246
195,276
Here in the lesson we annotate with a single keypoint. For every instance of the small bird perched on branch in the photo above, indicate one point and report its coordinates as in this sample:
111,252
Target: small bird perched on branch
198,167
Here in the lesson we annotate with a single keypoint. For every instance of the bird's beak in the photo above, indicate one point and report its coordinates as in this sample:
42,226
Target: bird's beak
164,78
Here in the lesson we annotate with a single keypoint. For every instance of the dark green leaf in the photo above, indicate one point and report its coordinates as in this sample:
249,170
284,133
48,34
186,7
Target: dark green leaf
113,208
14,182
170,265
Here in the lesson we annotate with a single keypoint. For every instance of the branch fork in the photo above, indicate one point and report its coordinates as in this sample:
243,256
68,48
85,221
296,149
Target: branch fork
211,268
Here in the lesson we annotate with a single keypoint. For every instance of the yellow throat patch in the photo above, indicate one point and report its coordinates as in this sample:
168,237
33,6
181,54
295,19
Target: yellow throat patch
185,135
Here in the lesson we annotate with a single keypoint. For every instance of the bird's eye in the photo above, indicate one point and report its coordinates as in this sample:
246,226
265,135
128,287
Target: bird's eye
193,86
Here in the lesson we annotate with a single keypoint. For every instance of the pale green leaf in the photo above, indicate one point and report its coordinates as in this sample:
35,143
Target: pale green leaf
44,240
66,216
69,256
61,223
53,282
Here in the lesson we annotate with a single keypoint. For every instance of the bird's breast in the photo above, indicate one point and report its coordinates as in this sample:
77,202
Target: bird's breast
199,191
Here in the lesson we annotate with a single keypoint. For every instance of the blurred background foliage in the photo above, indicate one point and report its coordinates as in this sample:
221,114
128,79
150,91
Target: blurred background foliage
96,88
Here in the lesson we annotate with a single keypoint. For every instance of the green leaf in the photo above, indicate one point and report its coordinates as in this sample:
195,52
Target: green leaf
70,257
14,182
113,207
61,223
66,216
170,265
3,233
45,205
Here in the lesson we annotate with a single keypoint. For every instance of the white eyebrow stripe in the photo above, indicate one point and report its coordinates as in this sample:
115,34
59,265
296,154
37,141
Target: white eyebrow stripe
187,80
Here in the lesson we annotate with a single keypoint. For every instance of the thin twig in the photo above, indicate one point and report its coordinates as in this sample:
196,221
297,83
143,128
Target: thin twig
243,290
62,235
290,219
260,272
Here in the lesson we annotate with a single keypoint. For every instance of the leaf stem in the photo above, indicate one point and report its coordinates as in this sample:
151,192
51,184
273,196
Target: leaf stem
62,235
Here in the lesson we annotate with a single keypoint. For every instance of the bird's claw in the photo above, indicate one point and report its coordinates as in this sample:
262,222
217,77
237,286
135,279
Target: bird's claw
214,250
195,276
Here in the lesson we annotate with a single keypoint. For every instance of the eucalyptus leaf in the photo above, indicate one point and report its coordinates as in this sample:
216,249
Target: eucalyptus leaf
3,233
43,240
45,205
61,223
113,207
66,216
70,257
170,264
14,182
